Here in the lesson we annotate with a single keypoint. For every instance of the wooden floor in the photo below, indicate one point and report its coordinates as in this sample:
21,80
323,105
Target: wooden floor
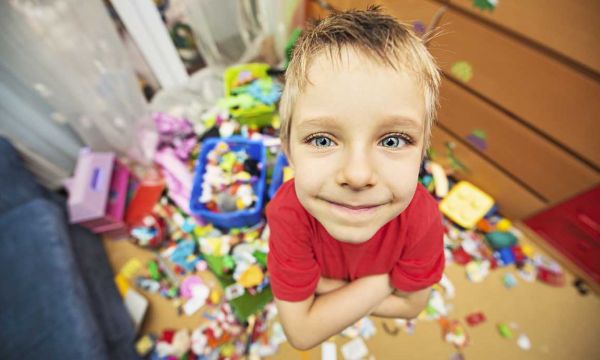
560,323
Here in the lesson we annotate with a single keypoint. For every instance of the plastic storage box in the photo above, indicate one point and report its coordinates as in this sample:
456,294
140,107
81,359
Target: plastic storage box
235,219
97,193
259,115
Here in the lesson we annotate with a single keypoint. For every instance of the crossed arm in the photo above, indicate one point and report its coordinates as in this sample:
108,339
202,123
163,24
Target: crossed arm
398,304
338,304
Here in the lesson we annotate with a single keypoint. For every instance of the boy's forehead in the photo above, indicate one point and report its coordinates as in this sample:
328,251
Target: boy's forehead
345,58
321,99
325,67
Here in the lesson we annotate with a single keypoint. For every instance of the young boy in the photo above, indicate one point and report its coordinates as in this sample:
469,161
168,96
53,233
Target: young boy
354,233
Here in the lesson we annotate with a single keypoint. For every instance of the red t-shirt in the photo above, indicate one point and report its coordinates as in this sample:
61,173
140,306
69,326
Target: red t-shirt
409,247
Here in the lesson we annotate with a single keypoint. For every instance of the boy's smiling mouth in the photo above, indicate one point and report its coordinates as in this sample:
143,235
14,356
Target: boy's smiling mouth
354,209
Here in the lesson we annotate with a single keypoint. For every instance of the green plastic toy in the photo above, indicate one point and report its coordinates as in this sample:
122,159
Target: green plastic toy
500,240
505,331
153,269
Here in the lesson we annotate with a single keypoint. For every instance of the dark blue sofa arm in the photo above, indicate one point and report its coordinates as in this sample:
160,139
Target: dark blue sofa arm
45,308
17,184
58,299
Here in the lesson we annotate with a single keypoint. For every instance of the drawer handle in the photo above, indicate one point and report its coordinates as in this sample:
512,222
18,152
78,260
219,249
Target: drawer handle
584,246
589,223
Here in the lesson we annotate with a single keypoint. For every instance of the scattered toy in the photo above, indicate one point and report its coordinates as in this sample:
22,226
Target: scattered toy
355,349
509,280
524,342
504,331
475,319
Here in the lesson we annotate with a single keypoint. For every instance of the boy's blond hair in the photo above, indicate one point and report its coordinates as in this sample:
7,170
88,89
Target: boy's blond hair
373,33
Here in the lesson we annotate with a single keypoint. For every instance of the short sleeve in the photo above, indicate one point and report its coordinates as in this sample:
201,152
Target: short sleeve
422,261
293,269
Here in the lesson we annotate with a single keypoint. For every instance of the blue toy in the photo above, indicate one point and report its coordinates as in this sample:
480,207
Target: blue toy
277,178
505,256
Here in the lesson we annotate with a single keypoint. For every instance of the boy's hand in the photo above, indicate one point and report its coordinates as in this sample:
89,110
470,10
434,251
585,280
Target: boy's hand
401,304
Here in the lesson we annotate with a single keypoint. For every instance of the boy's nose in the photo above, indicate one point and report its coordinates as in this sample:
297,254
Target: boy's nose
357,171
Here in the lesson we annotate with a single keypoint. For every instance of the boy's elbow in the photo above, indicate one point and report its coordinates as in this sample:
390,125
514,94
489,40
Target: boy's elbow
413,303
298,339
300,344
295,318
414,312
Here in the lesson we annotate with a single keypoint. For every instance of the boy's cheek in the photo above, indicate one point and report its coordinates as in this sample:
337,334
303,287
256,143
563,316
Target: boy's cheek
306,184
313,168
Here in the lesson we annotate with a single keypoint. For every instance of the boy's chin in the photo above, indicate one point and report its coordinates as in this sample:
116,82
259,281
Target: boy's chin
349,234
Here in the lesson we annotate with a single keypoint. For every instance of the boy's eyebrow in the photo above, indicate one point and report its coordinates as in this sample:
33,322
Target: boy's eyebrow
391,120
325,121
402,121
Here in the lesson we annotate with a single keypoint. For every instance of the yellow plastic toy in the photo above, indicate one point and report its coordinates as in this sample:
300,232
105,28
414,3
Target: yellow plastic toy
466,204
288,173
503,225
253,276
215,296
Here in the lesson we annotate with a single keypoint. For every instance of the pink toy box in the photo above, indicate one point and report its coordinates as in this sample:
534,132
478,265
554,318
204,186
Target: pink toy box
98,193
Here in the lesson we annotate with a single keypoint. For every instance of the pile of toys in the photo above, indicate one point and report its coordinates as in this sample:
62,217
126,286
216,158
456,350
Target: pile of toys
222,172
236,258
221,336
481,240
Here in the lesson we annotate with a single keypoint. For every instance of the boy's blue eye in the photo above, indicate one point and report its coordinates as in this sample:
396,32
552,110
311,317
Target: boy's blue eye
321,141
393,141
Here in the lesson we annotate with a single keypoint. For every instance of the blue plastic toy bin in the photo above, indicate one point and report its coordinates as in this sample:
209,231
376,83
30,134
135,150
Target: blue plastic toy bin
277,178
235,219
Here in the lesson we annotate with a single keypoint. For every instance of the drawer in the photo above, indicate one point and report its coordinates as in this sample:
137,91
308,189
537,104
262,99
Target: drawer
573,228
514,200
574,25
546,94
544,167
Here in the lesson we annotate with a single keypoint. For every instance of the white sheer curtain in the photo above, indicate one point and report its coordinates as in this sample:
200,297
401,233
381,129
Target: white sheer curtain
66,82
235,31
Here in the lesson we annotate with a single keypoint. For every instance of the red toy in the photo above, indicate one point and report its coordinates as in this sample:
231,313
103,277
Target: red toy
145,197
475,318
519,254
460,256
550,277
